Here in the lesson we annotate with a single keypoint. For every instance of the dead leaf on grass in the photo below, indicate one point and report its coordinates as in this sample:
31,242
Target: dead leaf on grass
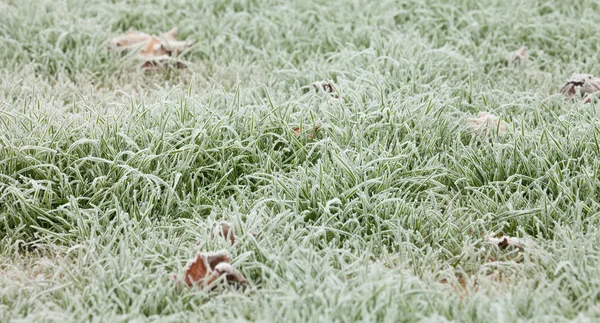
504,242
465,284
225,231
206,267
586,86
309,134
127,41
326,88
152,50
518,57
487,123
460,282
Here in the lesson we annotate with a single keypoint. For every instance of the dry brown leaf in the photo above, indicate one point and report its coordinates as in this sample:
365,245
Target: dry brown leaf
464,286
487,123
231,274
327,88
591,97
309,135
586,85
153,50
518,57
207,267
225,231
161,61
504,242
129,40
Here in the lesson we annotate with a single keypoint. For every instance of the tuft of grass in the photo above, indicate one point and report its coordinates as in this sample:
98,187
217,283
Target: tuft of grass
111,177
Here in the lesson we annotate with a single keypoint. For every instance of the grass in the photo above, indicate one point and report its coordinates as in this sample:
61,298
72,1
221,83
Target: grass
111,178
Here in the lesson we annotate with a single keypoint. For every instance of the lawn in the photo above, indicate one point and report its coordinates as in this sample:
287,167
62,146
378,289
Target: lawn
378,207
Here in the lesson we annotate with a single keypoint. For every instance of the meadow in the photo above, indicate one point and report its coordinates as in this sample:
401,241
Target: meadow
112,177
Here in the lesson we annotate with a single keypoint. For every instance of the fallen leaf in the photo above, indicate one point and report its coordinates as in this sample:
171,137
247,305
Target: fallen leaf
518,57
586,85
161,61
485,123
504,242
310,134
152,50
467,284
459,285
231,274
207,267
297,131
129,40
327,88
591,97
225,231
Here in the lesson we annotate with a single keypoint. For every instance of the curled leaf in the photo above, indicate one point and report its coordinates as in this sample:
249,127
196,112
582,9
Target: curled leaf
297,131
231,274
161,61
225,231
487,123
518,57
591,97
309,134
586,86
127,41
207,267
503,241
468,283
326,88
152,50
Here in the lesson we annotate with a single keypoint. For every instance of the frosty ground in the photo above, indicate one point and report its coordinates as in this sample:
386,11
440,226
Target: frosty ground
112,177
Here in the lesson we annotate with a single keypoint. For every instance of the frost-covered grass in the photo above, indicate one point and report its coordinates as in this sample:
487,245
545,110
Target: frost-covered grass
110,178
